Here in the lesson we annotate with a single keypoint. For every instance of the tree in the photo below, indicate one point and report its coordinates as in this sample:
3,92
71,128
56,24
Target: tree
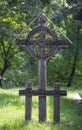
63,17
16,15
11,13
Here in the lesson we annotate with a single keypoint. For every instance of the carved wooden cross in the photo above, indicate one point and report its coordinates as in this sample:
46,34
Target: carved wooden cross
42,43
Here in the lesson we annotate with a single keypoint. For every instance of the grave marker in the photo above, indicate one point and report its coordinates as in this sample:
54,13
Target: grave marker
42,43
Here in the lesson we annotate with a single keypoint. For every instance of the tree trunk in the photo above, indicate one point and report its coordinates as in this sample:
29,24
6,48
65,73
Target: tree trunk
70,79
71,76
6,53
2,71
0,83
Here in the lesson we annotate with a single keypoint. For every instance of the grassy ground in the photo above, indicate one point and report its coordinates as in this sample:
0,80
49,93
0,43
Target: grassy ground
12,112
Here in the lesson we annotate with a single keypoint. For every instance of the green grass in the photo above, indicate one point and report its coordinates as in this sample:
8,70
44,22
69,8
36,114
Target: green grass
12,108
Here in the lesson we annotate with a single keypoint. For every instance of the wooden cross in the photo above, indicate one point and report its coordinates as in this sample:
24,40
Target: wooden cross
42,43
28,93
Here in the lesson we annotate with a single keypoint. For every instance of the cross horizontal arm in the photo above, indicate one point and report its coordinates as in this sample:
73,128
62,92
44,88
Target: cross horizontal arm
62,43
42,93
25,42
57,42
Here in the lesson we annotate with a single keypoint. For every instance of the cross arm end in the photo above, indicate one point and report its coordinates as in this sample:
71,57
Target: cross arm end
63,43
21,42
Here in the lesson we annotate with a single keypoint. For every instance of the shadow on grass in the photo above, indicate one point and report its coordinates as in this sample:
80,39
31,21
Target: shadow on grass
70,113
69,109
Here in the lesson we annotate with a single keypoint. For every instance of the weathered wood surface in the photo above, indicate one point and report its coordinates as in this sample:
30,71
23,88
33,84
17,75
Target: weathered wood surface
42,92
57,103
42,47
28,103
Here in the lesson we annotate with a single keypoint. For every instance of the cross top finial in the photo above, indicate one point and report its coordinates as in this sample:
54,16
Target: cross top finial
42,21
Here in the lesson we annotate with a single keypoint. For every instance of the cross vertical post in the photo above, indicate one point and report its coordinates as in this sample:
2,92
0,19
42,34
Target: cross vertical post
42,86
57,103
28,102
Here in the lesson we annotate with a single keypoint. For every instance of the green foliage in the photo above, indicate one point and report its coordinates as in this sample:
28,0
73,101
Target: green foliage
45,2
21,68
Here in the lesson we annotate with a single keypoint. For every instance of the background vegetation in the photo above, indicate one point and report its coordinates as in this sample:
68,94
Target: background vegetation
16,66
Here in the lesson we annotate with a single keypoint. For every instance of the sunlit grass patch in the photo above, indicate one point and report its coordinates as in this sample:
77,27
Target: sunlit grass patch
12,113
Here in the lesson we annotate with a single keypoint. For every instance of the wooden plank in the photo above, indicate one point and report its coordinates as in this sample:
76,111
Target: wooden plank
42,108
25,42
42,87
57,104
28,103
42,92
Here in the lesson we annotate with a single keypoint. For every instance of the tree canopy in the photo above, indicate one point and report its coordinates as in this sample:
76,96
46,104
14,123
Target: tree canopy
16,65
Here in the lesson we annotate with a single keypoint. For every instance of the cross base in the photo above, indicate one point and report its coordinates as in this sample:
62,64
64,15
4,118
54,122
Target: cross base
42,93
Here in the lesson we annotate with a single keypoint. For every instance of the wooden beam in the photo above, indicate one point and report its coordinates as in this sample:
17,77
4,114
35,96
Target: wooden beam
42,92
